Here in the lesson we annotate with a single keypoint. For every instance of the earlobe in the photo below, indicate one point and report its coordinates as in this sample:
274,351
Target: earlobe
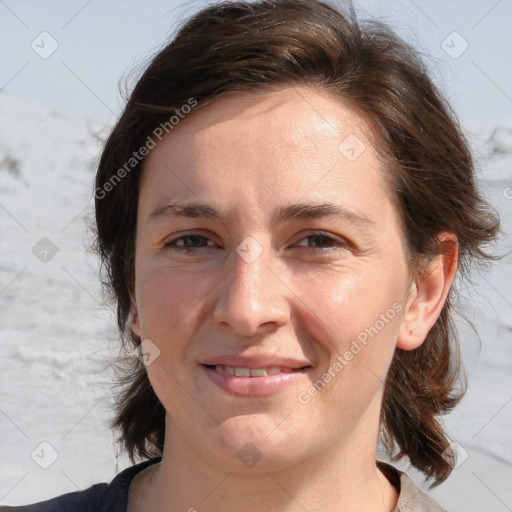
428,295
134,318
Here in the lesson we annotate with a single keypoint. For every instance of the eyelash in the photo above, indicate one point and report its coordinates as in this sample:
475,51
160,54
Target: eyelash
335,243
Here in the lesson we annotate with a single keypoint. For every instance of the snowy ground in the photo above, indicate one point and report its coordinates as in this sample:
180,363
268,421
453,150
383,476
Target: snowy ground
58,339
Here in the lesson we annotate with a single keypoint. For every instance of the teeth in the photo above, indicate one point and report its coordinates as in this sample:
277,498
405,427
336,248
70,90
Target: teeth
251,372
259,372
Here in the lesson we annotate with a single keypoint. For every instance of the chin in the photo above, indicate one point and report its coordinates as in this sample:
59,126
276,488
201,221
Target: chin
255,443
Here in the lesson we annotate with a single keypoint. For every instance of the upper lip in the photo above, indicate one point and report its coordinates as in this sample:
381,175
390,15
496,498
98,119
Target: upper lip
256,361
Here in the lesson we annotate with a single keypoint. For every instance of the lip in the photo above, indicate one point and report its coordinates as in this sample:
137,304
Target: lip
254,386
256,361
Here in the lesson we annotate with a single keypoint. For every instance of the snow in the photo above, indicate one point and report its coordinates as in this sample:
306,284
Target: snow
59,338
56,335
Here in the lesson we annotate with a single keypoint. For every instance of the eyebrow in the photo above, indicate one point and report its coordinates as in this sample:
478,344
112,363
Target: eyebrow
292,212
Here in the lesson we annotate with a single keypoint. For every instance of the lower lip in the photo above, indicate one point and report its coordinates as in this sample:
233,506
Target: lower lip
253,386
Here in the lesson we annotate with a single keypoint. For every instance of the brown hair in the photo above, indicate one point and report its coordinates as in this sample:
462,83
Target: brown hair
236,46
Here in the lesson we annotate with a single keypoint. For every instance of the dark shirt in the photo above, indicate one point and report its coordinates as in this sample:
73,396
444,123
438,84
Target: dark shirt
113,497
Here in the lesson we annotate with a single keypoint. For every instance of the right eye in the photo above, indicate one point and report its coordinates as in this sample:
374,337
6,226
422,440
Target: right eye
188,243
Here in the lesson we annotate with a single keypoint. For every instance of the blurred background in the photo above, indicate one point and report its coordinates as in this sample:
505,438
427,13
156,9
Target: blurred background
61,66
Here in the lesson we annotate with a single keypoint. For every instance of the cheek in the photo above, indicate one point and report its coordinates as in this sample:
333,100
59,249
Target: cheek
168,303
167,297
355,319
344,304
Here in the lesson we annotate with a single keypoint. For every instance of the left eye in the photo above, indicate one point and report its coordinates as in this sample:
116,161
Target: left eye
321,241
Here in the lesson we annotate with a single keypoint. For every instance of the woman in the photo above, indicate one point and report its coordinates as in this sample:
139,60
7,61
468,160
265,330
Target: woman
282,210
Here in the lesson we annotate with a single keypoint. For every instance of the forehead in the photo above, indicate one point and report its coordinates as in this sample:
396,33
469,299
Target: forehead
266,145
285,117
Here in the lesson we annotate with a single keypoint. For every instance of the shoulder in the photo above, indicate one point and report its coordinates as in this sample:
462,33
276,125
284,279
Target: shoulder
411,497
80,501
97,498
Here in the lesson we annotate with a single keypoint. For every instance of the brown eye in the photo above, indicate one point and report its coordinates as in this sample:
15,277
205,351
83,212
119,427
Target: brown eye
322,241
189,242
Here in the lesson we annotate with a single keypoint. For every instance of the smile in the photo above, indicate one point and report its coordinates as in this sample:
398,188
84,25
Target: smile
242,371
253,382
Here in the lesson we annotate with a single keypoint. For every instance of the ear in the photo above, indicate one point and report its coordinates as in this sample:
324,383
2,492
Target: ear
428,294
135,321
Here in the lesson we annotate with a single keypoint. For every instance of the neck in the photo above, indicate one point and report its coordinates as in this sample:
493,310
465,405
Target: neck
344,478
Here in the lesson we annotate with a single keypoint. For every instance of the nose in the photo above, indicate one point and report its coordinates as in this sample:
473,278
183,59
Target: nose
252,298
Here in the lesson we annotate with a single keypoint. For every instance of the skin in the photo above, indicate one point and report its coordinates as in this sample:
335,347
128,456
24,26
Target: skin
304,296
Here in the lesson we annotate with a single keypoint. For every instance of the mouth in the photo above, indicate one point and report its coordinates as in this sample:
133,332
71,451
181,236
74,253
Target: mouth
242,381
243,371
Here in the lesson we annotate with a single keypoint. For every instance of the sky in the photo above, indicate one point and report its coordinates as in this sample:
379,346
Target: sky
70,56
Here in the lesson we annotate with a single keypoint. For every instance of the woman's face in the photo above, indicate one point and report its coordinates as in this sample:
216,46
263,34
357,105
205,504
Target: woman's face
283,253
